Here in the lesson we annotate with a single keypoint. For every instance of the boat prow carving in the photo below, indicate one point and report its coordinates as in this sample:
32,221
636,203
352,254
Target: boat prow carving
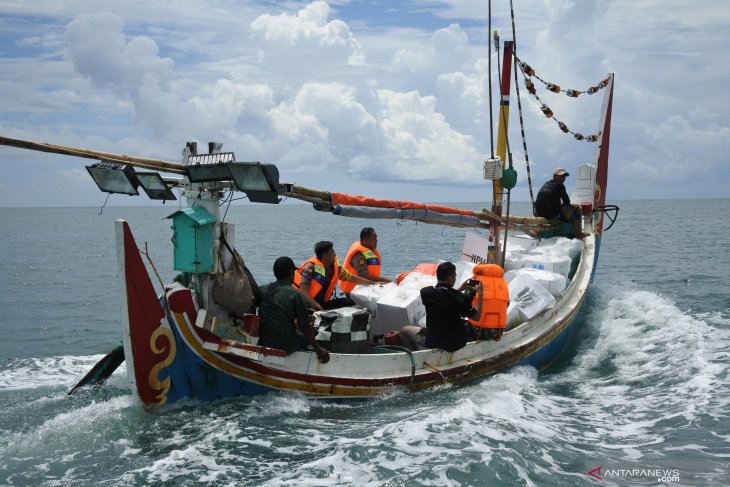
147,344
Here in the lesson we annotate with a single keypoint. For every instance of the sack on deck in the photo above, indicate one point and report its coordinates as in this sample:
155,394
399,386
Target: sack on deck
343,330
235,288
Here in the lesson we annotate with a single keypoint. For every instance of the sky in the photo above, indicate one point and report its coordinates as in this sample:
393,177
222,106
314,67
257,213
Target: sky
380,98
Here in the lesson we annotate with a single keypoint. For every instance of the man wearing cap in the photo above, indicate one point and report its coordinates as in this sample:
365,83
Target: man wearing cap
284,319
553,203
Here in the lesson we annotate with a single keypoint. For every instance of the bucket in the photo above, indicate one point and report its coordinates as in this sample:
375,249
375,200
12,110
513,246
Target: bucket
391,338
251,324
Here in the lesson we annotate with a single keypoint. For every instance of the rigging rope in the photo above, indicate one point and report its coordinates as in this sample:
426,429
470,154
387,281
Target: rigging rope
489,71
101,210
519,110
229,200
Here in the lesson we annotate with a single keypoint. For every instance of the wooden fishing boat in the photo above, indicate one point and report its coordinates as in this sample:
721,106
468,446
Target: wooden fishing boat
172,355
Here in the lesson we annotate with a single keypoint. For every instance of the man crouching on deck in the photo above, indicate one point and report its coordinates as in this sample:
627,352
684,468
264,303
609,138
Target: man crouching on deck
284,319
446,309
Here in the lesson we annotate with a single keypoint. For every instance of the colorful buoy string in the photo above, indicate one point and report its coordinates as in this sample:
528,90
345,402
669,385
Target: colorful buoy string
546,110
561,125
529,71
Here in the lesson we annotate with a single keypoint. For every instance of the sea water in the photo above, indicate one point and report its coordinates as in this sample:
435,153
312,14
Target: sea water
641,396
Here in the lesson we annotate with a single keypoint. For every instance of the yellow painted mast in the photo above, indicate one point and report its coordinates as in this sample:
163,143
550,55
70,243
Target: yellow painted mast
497,191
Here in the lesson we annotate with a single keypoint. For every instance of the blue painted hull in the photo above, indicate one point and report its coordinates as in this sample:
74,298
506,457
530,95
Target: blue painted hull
193,377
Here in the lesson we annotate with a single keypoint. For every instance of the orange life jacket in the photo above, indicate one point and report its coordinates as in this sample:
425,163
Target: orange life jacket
495,296
319,278
372,258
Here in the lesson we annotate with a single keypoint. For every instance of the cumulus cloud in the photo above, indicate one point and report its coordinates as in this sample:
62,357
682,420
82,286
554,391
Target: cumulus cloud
463,97
671,142
305,39
326,127
230,106
446,50
98,50
419,143
348,126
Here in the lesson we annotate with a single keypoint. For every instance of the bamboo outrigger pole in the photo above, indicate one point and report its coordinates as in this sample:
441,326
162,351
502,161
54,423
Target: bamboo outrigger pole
529,225
144,162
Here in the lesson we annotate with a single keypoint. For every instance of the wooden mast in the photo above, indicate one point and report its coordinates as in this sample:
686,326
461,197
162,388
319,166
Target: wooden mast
493,252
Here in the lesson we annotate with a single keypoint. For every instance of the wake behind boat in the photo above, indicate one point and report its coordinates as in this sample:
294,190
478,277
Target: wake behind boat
178,342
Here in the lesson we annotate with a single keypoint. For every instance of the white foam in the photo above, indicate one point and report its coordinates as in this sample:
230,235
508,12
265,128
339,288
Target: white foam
83,426
647,353
275,404
35,373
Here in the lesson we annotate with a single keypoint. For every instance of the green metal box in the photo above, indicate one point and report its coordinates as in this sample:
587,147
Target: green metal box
564,230
192,230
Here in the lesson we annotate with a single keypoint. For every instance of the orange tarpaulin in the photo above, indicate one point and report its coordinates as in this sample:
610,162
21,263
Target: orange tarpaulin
355,200
423,268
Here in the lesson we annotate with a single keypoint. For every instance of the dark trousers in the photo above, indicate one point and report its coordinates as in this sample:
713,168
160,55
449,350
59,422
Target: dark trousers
338,303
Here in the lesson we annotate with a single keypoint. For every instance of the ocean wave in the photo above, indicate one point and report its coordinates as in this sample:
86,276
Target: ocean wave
640,383
35,373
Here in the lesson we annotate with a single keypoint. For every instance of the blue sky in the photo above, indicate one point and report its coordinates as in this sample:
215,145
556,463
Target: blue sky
381,98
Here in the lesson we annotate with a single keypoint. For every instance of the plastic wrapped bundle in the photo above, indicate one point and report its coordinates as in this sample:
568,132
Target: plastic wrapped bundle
367,296
416,280
529,296
553,282
514,260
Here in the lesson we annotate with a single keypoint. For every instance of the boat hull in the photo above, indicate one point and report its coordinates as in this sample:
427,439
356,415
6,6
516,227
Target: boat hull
188,362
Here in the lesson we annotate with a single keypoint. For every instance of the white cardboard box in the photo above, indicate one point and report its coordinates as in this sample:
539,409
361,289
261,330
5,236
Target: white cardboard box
548,262
464,272
514,260
520,243
368,296
398,309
